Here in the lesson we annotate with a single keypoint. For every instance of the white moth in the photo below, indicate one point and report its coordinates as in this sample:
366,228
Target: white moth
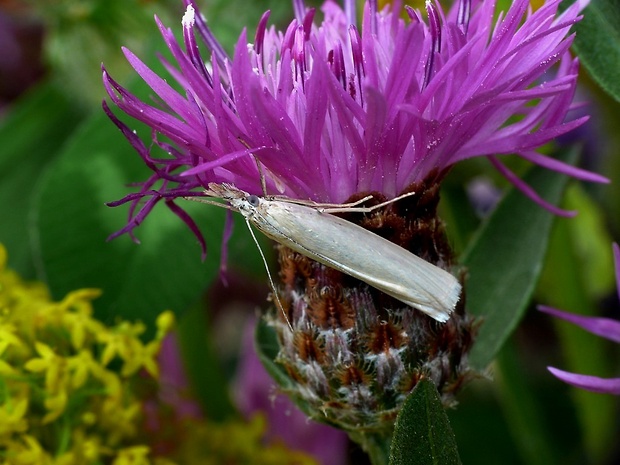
310,230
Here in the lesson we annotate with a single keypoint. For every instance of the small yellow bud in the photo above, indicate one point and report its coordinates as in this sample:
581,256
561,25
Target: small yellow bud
165,322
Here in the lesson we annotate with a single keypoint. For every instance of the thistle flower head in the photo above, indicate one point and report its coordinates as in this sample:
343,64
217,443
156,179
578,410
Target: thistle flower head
333,108
604,327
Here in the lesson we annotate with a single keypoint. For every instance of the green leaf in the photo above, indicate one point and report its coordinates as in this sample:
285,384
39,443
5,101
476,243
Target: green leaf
422,434
31,134
72,221
457,213
598,44
505,259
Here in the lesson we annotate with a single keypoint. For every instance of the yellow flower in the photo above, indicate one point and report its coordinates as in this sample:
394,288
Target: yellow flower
53,353
85,450
120,418
29,452
12,416
55,405
144,356
120,341
8,336
165,324
80,366
53,365
236,442
77,313
137,455
5,368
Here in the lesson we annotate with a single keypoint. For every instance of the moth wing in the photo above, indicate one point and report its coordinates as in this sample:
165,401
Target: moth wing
362,254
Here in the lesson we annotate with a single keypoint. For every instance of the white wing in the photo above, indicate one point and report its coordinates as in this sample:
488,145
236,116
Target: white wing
360,253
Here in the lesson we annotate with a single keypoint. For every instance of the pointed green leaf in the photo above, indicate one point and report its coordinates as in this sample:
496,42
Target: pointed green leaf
422,434
597,44
457,212
505,259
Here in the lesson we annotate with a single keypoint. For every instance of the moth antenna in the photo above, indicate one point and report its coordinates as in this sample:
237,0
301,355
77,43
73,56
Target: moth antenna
273,287
395,199
211,202
349,207
319,205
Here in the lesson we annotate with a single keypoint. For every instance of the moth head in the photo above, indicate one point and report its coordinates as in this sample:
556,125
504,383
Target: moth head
246,205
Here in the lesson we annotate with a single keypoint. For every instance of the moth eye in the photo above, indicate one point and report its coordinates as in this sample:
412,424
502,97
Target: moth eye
253,200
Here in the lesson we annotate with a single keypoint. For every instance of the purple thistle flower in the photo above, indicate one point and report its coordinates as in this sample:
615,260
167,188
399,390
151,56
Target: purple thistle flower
331,112
334,109
604,327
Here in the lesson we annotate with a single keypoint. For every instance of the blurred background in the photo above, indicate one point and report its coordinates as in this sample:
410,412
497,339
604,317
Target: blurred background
61,159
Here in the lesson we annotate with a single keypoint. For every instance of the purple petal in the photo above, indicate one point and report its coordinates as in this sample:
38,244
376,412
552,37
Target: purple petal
191,224
259,36
604,327
561,167
590,383
202,167
528,191
228,230
329,111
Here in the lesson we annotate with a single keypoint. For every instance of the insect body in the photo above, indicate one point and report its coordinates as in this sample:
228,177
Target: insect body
337,243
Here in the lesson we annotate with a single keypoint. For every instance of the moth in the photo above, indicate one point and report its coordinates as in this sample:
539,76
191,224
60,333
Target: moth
311,230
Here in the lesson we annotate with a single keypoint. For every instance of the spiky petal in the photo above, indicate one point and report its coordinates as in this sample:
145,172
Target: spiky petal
332,109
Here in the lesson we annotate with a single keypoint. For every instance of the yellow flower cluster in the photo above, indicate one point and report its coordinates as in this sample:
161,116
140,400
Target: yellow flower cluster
69,383
66,379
